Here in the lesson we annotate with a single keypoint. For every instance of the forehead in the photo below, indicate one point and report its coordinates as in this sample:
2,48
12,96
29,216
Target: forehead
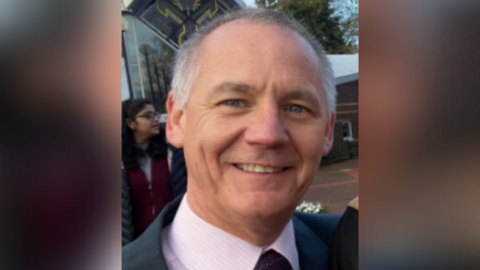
241,44
147,108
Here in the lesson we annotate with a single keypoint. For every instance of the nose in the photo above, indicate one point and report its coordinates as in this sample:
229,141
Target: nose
266,129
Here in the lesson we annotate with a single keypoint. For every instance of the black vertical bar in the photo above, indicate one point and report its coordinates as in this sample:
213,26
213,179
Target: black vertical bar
127,66
159,89
158,81
165,82
150,79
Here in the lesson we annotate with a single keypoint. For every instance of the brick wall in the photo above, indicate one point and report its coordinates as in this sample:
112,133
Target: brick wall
347,105
347,110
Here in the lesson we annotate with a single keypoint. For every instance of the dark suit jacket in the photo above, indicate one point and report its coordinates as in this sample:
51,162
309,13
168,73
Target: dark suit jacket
313,233
344,246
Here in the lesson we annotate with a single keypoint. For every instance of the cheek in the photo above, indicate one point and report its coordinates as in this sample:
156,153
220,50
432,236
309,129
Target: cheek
145,125
207,140
308,141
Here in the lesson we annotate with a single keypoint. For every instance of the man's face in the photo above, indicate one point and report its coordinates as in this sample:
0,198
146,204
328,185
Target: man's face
255,125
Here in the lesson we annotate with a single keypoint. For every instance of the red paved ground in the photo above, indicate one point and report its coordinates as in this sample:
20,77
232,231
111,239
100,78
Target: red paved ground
335,184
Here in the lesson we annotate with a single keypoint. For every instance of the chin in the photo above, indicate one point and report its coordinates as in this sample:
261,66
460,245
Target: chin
266,206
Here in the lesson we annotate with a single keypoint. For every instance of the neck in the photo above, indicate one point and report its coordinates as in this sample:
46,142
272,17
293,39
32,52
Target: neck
259,231
141,139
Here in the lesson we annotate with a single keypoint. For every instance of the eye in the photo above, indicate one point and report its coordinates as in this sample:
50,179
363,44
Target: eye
234,103
296,109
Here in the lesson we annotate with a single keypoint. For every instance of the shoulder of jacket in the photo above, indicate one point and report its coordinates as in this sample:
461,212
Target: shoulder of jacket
323,221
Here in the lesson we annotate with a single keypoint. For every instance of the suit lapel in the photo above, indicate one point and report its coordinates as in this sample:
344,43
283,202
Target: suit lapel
312,252
146,252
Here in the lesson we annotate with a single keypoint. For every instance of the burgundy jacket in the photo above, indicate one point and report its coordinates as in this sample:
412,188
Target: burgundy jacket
147,201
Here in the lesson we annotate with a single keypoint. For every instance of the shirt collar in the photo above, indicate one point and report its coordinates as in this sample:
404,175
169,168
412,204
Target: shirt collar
200,245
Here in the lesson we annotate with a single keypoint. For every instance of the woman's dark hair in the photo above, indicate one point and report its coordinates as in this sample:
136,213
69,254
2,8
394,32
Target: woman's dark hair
157,147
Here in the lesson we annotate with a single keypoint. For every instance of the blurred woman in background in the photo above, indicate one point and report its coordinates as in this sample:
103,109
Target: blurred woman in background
146,180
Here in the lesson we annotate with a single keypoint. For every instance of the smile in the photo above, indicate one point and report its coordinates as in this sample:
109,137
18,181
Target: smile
259,169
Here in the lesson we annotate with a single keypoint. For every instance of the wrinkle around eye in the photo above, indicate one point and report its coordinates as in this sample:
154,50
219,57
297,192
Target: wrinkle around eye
235,103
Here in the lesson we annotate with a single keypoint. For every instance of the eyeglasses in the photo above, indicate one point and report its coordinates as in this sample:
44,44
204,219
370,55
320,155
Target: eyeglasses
150,115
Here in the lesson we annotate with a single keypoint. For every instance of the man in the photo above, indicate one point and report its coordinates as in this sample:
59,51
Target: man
253,107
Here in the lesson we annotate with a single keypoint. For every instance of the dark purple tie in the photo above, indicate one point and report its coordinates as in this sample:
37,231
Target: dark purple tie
272,260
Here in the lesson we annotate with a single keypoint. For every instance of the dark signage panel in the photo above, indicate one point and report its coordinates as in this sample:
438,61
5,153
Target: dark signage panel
176,19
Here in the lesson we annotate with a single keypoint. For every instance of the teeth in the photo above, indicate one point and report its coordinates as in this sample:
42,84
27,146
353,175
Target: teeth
258,168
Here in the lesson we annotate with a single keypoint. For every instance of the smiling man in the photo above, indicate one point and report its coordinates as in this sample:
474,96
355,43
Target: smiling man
253,107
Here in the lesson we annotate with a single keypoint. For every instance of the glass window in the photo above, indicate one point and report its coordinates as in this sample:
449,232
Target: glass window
151,62
125,90
152,38
347,131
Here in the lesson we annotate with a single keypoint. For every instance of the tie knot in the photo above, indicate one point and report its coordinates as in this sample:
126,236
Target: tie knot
272,260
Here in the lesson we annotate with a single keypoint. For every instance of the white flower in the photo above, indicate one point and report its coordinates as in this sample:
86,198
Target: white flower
308,207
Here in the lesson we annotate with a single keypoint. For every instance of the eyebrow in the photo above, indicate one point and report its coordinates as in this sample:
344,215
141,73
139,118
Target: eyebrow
232,87
302,95
146,112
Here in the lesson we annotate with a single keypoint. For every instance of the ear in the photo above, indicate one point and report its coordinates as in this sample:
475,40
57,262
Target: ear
174,128
131,123
328,142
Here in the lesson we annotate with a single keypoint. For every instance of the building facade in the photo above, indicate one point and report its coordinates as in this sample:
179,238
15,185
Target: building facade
345,144
152,30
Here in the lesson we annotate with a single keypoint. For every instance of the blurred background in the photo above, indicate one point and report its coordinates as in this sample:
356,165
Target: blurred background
61,76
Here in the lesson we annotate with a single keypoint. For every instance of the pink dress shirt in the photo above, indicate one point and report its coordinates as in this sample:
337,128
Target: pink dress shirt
190,243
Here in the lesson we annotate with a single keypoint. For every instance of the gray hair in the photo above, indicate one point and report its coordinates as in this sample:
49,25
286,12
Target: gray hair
187,60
